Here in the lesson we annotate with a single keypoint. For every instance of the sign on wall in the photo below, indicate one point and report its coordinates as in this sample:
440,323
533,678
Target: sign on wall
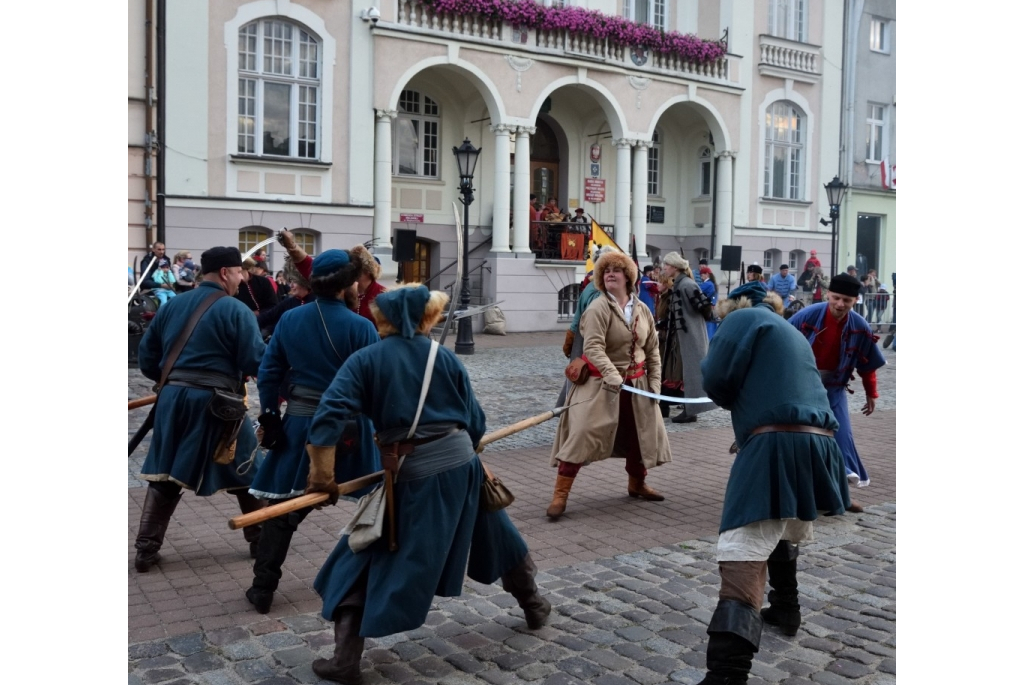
414,218
595,169
593,189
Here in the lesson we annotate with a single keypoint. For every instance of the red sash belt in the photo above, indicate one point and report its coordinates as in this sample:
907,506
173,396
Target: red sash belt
640,370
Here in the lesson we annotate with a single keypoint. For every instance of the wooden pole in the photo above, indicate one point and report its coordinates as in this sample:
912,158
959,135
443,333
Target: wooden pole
519,426
141,402
300,502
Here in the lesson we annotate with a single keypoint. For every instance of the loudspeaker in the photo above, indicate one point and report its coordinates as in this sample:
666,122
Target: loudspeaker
731,257
404,246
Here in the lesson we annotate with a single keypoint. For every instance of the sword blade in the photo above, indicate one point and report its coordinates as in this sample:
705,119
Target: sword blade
663,398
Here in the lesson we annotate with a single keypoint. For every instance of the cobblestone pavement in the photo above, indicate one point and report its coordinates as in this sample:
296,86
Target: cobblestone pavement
633,583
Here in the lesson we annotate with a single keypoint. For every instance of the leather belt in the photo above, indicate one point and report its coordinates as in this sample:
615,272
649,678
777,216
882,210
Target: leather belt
404,447
791,428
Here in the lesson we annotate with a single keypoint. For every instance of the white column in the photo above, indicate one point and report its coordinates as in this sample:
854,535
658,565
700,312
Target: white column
640,197
521,198
723,201
382,180
622,176
499,222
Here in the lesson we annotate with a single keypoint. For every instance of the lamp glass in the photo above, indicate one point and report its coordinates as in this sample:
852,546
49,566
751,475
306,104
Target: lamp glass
836,190
466,156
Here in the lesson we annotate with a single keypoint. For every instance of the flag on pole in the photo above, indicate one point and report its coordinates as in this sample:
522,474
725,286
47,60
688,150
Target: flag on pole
888,175
598,238
633,255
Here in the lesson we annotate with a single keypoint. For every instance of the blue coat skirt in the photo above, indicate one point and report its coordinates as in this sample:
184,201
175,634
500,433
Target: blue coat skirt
185,436
837,399
443,535
284,472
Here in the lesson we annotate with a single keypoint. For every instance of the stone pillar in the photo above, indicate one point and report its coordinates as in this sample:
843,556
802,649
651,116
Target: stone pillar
521,198
500,227
382,180
723,201
622,182
639,219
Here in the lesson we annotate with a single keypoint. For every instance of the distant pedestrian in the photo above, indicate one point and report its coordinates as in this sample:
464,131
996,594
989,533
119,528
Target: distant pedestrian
783,283
755,273
812,262
648,288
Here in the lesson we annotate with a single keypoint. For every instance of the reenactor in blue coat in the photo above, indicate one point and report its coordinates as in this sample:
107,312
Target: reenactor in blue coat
788,469
308,347
443,533
202,440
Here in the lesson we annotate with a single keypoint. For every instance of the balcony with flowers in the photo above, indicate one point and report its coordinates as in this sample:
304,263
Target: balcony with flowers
573,32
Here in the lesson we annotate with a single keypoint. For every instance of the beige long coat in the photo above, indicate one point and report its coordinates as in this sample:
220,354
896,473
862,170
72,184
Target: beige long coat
586,432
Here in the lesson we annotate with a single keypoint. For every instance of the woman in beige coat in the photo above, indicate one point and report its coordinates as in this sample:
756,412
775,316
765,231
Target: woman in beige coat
621,347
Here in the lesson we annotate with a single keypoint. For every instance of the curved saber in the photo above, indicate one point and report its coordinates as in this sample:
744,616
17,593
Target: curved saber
257,246
138,283
663,398
457,288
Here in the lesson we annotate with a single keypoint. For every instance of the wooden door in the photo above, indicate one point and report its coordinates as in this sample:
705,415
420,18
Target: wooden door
418,270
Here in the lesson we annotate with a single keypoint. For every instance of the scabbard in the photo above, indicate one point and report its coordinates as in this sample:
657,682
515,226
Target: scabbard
146,426
389,460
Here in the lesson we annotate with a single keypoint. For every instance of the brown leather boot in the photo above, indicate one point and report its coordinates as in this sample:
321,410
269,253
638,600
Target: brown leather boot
562,486
343,667
156,515
519,582
637,488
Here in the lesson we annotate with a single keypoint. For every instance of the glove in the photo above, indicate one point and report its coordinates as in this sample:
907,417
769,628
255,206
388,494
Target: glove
612,384
567,345
270,425
321,472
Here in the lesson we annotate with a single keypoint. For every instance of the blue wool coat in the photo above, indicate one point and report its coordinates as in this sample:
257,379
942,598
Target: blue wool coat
775,475
185,435
857,351
301,352
443,533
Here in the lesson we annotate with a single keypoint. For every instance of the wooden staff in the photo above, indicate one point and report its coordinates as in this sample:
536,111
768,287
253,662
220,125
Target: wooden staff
141,402
311,500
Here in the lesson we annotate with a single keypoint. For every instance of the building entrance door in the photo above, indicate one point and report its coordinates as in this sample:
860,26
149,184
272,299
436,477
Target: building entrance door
544,180
418,270
869,232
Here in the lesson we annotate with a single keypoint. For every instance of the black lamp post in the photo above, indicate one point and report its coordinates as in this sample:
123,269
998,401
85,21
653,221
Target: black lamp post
835,189
466,156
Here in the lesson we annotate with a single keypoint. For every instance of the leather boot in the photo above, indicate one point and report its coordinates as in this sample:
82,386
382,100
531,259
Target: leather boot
270,556
665,407
343,667
248,504
783,608
735,636
156,515
637,488
519,582
562,486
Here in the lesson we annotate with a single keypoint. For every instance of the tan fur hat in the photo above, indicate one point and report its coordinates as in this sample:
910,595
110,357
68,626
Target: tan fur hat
367,264
611,258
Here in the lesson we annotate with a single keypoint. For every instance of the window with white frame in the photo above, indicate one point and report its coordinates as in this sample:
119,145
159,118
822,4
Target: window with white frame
879,36
876,133
654,165
278,90
705,172
249,238
795,256
769,259
417,134
306,241
788,19
645,12
702,254
784,151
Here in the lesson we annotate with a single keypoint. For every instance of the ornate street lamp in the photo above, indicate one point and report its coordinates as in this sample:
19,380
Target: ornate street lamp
466,155
836,190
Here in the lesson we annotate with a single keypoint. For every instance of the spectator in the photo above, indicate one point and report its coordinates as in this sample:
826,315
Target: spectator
755,273
255,291
852,270
818,283
261,270
158,251
812,262
283,287
301,293
551,211
709,287
581,222
367,286
164,278
648,288
870,293
783,283
184,271
687,338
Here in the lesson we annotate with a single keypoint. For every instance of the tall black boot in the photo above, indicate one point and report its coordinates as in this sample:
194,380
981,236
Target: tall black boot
343,667
519,582
248,504
161,499
783,608
735,636
270,556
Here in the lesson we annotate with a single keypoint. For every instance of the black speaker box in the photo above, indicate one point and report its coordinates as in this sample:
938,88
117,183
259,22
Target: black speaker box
731,255
404,246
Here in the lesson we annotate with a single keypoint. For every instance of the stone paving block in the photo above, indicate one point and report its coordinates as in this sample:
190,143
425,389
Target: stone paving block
660,664
396,673
578,667
134,679
146,650
157,662
766,672
688,676
601,637
304,624
562,678
161,675
294,656
187,645
465,662
645,676
280,640
226,636
221,677
510,661
495,632
634,633
238,651
496,676
251,671
202,662
535,671
450,629
431,667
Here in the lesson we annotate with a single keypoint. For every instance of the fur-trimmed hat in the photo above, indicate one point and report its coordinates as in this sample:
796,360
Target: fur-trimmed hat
736,301
407,310
675,259
367,264
612,257
291,273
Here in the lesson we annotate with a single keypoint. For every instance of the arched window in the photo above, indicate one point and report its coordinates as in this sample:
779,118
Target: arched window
769,259
248,238
705,172
654,165
417,134
796,259
700,253
784,151
306,240
278,90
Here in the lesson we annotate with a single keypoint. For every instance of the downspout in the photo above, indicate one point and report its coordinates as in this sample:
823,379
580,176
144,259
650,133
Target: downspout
714,206
148,171
161,118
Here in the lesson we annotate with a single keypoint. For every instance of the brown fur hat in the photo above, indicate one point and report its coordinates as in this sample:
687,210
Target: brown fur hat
292,274
367,264
614,258
432,311
727,305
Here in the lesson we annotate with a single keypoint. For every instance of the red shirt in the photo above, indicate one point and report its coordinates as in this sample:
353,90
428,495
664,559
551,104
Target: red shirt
372,291
826,349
